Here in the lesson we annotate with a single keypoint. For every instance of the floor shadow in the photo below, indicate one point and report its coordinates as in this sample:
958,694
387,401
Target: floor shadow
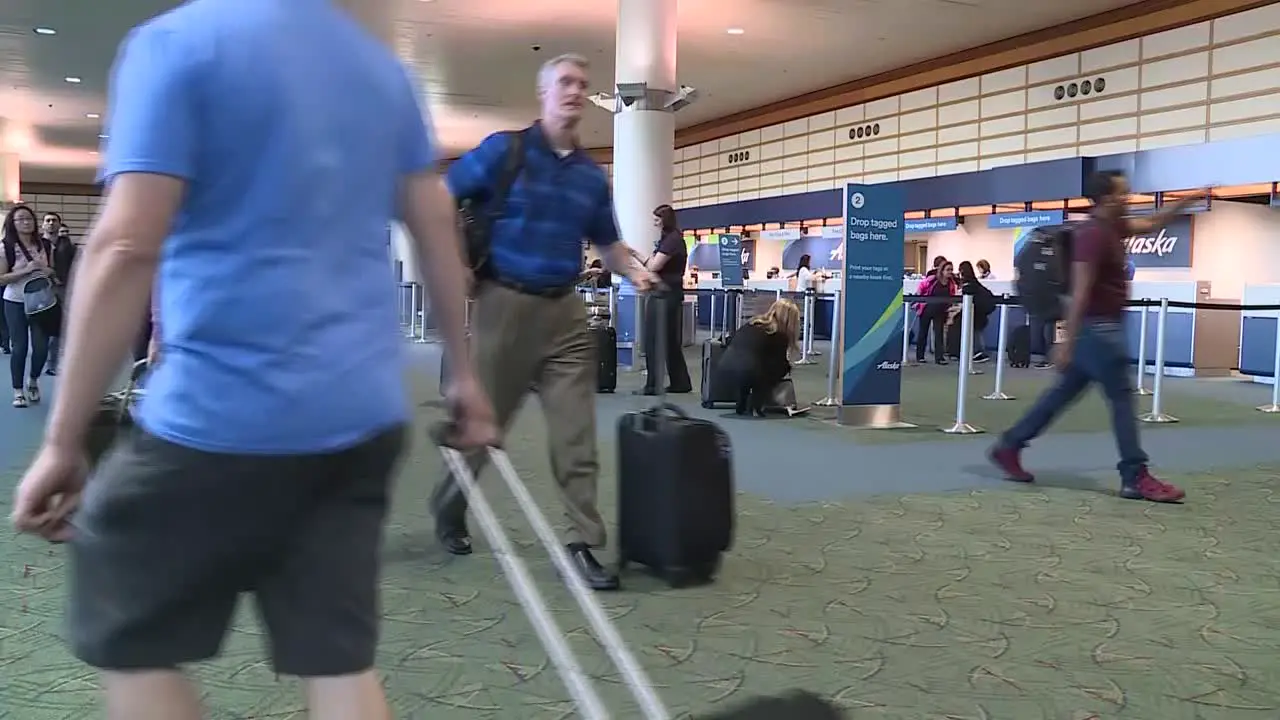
1051,479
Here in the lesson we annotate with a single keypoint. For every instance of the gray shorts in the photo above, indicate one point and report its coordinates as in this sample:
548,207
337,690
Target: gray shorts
169,537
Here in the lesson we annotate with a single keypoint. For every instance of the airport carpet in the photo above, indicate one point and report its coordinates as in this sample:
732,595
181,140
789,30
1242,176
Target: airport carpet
989,603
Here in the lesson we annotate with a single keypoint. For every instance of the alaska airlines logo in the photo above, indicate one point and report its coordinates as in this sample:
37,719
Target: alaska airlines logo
1159,245
888,365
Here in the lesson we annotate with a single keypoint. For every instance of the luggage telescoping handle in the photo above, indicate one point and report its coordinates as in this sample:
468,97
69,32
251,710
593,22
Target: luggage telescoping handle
553,640
130,390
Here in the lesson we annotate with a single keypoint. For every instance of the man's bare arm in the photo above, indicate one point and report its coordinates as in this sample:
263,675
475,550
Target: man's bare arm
428,211
1165,215
114,275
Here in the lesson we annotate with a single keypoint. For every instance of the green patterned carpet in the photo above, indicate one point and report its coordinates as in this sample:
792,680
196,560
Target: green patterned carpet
1008,604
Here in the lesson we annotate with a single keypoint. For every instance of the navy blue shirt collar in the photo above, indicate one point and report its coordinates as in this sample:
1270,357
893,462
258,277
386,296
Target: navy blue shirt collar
537,138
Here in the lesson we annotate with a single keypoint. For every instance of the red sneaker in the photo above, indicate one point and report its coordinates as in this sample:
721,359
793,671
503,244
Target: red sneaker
1009,461
1148,487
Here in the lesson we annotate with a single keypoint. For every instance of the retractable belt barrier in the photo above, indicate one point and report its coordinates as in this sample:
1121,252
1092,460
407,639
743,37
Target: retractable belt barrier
1004,302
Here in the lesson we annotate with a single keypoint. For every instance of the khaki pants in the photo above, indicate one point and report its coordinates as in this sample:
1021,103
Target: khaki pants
521,341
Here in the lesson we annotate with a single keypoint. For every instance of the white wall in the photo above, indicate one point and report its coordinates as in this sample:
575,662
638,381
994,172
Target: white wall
1210,81
1234,244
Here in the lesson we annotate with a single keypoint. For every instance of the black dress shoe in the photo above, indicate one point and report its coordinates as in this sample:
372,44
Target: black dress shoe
455,540
592,572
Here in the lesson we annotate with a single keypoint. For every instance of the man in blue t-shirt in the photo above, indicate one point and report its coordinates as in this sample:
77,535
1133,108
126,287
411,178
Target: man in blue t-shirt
257,152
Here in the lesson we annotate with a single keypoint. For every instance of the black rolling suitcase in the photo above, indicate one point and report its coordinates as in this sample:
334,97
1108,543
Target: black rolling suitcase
675,492
792,705
952,334
713,393
1020,347
606,340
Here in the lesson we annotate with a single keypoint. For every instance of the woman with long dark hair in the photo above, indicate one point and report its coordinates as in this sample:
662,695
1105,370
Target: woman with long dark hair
665,306
25,258
984,303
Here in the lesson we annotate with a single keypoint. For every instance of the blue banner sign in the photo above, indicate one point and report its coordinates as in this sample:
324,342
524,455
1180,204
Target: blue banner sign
1035,218
731,260
1169,247
927,225
824,253
873,317
704,252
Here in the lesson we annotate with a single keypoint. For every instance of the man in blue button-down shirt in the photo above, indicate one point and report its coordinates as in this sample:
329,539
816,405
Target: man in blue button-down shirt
528,326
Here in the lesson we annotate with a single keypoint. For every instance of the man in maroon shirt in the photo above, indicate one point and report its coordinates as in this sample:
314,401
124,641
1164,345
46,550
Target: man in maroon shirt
1095,349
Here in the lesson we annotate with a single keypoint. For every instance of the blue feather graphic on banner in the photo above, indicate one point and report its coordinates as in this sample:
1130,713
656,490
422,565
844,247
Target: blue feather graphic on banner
824,253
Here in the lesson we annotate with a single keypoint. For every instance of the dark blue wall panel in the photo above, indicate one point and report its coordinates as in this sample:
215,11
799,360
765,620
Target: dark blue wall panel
1258,346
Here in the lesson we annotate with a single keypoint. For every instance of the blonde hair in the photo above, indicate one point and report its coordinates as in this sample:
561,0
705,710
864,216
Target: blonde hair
782,317
548,69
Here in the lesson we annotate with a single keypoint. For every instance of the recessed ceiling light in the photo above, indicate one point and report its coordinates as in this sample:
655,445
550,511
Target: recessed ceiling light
736,31
93,152
46,31
102,137
92,116
72,80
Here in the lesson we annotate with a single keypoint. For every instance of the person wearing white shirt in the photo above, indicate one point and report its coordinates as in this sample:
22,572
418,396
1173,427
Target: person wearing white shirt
806,278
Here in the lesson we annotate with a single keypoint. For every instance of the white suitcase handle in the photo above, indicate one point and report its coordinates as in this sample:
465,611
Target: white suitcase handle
580,688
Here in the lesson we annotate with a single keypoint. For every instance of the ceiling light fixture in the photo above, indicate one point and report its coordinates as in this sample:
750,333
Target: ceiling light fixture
102,137
736,31
92,116
45,31
72,80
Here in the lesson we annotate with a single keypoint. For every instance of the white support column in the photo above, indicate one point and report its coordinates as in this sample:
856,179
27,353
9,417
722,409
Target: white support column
644,115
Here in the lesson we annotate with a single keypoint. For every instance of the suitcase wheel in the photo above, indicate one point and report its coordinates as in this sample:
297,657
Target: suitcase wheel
605,392
707,404
694,576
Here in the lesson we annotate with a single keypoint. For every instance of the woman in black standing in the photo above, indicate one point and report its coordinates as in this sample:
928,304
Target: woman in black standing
666,306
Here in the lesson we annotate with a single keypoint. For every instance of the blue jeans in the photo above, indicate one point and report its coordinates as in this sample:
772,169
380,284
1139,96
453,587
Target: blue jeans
25,336
1100,356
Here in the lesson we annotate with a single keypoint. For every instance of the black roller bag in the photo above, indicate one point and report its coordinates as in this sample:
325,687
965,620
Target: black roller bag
713,392
675,492
606,341
1019,348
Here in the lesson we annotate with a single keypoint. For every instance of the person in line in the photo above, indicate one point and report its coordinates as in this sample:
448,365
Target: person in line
756,359
937,263
529,328
666,309
26,257
984,270
597,276
984,303
806,277
265,449
935,316
1095,349
64,258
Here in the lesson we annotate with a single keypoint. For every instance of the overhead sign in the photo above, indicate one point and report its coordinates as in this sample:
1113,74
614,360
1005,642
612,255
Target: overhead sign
704,252
1169,247
824,252
731,260
1035,218
872,307
927,225
781,234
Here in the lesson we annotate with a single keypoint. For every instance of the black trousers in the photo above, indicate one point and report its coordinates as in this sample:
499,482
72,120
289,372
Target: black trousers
168,537
660,309
938,324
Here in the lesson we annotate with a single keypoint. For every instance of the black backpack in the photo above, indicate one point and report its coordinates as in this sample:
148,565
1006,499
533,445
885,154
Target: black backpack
477,217
1043,272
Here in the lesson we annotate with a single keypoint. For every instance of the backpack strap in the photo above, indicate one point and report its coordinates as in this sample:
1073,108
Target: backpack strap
512,166
10,253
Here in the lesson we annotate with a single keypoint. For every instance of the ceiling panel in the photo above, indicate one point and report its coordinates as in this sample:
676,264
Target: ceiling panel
478,61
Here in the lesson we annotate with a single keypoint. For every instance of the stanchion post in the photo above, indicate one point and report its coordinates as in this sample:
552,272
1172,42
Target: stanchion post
1157,414
1274,407
712,320
832,367
906,332
806,330
961,425
813,324
739,298
966,346
1002,342
1141,387
420,315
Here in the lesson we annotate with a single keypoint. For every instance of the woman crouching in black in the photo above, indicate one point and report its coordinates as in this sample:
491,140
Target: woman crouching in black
756,359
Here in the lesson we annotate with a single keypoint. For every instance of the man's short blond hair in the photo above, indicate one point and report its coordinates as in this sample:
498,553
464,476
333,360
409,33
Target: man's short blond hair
548,68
